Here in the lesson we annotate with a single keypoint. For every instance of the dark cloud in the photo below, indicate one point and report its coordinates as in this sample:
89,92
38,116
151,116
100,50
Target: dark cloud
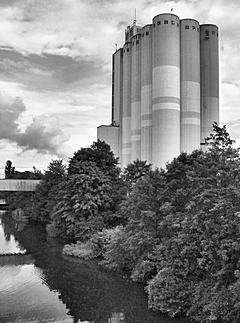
8,3
43,134
10,111
50,72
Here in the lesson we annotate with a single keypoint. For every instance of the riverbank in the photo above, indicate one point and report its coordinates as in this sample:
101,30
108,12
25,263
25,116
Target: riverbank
58,288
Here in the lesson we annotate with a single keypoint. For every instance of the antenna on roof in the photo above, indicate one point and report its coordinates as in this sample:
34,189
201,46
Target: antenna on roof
135,17
171,10
116,46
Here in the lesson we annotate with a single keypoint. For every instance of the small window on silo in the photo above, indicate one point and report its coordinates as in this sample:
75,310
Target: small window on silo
206,33
186,27
193,27
173,22
165,22
127,49
147,32
159,23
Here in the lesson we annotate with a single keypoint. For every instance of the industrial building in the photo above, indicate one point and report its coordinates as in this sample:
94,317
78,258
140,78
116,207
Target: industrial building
165,90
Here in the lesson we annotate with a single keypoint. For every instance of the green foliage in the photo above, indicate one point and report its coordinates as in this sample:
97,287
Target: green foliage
46,192
82,200
95,247
79,249
182,236
134,171
100,154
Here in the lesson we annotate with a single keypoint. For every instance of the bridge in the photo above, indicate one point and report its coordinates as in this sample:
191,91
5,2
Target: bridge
19,185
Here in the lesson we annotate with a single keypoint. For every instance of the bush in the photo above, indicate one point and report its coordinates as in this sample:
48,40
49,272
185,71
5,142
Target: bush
79,249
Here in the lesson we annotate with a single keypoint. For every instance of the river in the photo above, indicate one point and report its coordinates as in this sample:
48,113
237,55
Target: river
38,284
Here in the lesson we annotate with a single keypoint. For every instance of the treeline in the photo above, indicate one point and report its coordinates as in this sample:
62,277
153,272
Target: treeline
176,230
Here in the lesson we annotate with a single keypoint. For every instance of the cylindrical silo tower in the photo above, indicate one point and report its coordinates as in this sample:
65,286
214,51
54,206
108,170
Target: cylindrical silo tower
136,98
126,108
117,83
209,78
190,85
146,93
165,89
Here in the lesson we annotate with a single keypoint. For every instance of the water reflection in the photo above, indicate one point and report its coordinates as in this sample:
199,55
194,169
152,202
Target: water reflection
8,244
62,289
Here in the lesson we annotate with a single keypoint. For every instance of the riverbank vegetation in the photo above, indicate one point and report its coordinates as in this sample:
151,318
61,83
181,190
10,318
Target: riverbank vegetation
176,230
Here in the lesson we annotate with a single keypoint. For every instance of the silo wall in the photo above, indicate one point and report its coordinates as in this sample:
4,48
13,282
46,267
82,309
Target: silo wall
136,98
117,83
209,78
165,89
146,94
190,85
126,108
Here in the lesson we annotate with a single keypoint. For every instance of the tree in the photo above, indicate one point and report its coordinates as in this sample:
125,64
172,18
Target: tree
82,201
134,171
9,170
100,154
46,191
186,240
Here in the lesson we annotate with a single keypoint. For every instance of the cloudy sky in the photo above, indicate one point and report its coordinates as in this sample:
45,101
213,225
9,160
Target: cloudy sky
55,69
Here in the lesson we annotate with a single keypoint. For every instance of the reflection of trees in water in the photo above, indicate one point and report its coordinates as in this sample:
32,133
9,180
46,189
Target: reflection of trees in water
90,293
9,225
15,260
6,228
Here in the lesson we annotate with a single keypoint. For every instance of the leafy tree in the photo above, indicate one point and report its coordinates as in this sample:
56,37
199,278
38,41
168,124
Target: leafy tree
82,202
189,234
101,155
9,170
134,171
45,194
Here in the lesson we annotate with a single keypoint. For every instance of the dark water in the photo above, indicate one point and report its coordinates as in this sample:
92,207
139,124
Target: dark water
44,286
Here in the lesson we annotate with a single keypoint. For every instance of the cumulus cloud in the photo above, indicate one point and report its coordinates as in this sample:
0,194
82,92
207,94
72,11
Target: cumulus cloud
43,135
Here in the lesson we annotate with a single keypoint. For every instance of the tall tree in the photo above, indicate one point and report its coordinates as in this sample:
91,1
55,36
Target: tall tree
100,154
9,170
190,234
134,171
45,195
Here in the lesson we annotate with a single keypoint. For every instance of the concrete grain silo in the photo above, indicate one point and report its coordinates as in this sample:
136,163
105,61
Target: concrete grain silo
146,94
126,113
136,98
165,89
209,78
190,85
